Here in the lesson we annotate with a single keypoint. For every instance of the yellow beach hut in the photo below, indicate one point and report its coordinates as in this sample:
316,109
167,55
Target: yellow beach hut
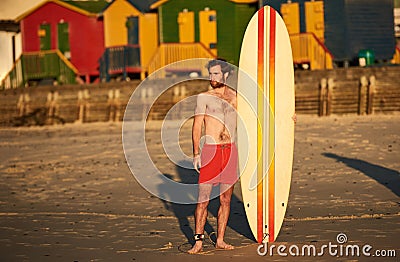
130,37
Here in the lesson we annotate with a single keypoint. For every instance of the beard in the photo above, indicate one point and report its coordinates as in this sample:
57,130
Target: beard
215,84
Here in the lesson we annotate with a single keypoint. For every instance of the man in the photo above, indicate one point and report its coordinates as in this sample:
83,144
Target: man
216,109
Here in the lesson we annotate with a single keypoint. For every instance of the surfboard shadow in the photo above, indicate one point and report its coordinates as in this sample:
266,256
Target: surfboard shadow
388,177
183,212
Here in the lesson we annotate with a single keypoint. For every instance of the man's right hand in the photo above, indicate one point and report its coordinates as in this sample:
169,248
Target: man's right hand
197,163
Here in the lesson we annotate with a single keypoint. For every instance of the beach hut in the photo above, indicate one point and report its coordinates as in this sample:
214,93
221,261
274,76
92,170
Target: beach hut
10,42
206,28
349,29
131,38
61,40
360,31
305,23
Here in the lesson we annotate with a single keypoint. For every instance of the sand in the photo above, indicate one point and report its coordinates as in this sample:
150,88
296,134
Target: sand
67,194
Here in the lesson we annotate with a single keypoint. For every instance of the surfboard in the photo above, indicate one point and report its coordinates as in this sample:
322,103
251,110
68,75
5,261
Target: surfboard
266,104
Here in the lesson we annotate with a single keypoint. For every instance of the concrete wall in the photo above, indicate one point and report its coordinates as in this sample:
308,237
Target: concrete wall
348,91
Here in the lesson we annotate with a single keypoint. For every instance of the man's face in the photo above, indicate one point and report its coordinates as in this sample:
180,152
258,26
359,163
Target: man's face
216,77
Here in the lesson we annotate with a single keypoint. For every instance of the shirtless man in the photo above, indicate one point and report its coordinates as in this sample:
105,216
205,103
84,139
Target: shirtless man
218,159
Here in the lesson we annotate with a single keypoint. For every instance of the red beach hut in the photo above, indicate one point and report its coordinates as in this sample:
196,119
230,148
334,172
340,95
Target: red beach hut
72,29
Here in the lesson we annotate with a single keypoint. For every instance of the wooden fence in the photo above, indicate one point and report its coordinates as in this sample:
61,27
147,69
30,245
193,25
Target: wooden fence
340,91
348,91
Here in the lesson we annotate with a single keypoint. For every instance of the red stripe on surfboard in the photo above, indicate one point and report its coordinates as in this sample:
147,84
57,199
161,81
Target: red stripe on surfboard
260,81
271,176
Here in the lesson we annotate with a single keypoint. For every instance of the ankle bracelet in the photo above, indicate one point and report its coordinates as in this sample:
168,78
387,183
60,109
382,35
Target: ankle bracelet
198,237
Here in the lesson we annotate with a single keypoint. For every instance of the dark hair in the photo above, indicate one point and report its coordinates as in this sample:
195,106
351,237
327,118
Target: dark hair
225,67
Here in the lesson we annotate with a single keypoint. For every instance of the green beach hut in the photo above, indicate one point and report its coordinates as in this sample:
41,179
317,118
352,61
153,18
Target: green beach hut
206,28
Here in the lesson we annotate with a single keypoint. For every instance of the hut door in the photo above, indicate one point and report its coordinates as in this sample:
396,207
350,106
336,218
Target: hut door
63,39
133,30
291,16
315,18
208,29
132,53
45,37
186,26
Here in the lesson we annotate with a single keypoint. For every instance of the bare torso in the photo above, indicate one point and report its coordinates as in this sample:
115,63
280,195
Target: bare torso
219,116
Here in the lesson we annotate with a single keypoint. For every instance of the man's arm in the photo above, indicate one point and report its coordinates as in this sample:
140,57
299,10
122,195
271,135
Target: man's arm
196,133
197,123
196,130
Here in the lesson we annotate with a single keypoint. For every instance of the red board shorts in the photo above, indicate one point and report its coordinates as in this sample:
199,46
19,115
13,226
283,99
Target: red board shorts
219,164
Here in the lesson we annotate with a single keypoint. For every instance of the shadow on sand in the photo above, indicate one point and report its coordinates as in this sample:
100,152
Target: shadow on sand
388,177
237,219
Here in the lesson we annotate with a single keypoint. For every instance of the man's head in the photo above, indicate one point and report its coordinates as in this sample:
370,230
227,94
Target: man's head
218,70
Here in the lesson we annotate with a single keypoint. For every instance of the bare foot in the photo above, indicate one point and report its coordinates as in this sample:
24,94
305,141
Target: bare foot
224,246
197,247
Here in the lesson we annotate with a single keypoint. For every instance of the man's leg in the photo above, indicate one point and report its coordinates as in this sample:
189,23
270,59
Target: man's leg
223,215
201,215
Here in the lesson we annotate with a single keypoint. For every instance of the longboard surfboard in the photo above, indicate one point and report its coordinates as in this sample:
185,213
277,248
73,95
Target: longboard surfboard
266,104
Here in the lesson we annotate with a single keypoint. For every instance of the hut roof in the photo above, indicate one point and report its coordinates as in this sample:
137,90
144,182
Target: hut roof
142,6
9,26
88,8
161,2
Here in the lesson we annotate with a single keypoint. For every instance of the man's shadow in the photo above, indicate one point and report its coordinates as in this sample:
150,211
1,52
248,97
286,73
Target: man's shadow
237,219
388,177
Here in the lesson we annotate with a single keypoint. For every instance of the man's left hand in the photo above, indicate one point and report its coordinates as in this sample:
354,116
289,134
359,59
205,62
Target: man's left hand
197,163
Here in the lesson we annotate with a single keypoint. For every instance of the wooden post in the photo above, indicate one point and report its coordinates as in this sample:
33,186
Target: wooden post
55,104
86,112
83,105
371,92
143,99
182,94
27,103
183,91
21,105
114,105
52,106
322,97
176,96
146,97
110,104
51,109
362,96
329,95
117,105
80,106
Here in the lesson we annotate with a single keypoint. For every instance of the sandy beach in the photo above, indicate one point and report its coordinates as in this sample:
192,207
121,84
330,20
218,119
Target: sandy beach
67,194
